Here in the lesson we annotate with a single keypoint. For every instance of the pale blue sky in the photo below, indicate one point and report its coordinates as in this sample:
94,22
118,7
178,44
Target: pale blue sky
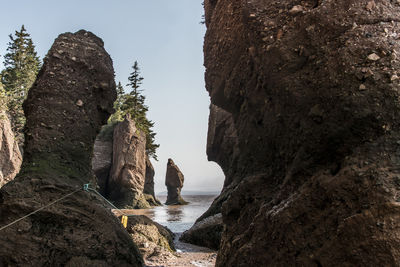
166,38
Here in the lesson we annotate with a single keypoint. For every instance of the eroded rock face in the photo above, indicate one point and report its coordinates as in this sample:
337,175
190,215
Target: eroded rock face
174,182
222,147
312,88
10,155
127,177
148,190
101,162
71,98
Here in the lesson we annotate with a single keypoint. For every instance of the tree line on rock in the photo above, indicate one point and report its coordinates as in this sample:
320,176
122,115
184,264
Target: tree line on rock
21,66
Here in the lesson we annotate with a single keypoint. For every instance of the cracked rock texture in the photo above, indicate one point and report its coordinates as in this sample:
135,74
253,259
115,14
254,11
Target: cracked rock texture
312,88
71,98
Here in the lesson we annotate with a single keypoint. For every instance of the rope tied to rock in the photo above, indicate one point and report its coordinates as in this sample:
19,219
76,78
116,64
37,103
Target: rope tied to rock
42,208
124,218
86,188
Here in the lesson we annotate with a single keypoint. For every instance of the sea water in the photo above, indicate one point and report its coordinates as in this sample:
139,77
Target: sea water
178,218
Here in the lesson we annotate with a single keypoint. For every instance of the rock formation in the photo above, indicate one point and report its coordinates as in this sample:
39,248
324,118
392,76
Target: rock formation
71,98
128,171
153,239
10,155
102,161
149,184
312,88
222,147
205,232
174,182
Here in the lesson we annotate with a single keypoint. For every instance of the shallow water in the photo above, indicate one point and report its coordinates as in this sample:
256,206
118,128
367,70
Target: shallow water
178,218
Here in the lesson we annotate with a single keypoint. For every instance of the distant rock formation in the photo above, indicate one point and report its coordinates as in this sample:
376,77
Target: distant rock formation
149,184
313,91
71,98
10,155
128,171
174,182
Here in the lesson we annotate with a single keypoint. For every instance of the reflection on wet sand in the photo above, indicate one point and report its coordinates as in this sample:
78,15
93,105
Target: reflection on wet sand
177,218
174,213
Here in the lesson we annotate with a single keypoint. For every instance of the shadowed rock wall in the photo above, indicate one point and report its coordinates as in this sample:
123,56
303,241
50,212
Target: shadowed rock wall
312,87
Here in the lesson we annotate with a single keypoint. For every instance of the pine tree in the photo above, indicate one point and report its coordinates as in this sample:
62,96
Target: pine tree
133,104
21,67
118,114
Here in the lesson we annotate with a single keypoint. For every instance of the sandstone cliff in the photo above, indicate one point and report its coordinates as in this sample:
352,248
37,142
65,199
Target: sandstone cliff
174,181
312,87
10,155
71,98
128,171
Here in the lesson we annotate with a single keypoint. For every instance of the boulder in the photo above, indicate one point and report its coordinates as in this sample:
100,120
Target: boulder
10,155
148,190
71,98
128,171
205,233
316,117
174,182
152,238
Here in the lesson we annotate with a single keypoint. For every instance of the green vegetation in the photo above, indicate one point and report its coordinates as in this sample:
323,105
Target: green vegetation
132,103
21,67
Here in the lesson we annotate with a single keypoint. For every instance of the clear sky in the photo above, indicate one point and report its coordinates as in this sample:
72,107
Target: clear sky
166,38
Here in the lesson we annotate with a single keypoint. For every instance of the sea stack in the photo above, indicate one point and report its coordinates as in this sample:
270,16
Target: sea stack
174,182
128,171
71,98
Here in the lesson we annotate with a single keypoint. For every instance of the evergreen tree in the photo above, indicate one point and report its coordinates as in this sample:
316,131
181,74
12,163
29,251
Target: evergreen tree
133,104
118,114
21,67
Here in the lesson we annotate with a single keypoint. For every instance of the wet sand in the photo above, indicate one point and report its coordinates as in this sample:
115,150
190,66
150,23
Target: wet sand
186,255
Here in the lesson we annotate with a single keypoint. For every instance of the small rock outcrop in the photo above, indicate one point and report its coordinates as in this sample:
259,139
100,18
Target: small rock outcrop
128,171
153,239
313,91
174,182
148,190
71,98
10,155
206,232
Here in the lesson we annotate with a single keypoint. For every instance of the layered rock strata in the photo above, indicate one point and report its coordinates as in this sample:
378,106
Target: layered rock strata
10,155
312,87
128,171
174,181
71,98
